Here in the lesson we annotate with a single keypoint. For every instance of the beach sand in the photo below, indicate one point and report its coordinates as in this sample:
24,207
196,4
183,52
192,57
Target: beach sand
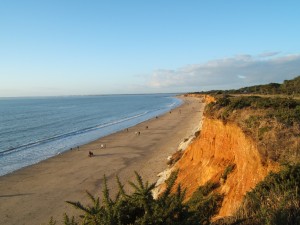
33,194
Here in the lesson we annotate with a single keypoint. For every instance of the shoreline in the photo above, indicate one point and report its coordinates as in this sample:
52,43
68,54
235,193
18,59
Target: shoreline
39,191
82,138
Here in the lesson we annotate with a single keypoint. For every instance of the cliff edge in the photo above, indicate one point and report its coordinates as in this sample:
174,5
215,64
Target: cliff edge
218,147
243,139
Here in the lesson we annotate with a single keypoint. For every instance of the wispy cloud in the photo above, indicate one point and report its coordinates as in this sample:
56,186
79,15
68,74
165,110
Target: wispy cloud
227,73
268,54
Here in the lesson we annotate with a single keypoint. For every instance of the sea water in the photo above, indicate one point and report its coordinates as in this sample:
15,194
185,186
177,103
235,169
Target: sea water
34,129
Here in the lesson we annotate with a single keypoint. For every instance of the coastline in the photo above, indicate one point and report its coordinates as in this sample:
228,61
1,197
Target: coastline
40,191
50,141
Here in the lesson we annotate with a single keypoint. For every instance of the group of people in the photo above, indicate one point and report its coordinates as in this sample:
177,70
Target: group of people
137,133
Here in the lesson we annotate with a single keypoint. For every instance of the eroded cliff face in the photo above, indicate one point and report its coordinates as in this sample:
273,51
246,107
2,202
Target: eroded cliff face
218,146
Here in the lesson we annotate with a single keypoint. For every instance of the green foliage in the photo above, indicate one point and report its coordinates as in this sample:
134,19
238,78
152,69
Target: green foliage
228,170
284,109
222,102
262,131
274,200
289,87
52,221
287,116
201,193
253,121
274,123
69,221
225,106
205,202
140,208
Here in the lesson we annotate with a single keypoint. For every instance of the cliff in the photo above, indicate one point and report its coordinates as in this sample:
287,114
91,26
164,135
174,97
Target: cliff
218,147
241,141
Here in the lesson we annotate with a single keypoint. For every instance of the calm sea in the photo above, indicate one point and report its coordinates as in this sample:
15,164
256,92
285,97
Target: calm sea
34,129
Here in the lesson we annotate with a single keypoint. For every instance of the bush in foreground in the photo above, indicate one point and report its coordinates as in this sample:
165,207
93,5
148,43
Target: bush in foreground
140,208
275,200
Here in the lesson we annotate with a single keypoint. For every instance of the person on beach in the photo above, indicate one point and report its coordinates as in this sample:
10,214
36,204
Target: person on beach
91,154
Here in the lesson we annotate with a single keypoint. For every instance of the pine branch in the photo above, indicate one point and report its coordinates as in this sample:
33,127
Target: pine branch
52,221
137,188
139,180
78,205
106,199
170,184
91,196
121,188
68,221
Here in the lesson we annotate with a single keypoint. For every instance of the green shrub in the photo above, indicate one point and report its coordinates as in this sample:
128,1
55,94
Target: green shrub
222,102
140,208
253,121
228,170
275,200
262,131
205,202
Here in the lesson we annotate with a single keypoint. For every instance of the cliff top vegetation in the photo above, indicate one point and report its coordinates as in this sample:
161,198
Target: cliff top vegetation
274,123
270,114
287,88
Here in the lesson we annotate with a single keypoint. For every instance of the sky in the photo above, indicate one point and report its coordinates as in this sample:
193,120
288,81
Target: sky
72,47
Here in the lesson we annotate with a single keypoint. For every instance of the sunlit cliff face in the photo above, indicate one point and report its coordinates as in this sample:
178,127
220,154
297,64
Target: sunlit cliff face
218,146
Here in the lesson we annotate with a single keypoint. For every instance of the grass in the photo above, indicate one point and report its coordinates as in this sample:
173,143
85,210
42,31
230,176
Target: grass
273,123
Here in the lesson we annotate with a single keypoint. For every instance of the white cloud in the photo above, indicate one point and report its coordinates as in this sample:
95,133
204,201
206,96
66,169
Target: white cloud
268,54
227,73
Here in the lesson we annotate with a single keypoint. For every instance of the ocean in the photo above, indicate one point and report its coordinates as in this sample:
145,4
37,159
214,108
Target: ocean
36,128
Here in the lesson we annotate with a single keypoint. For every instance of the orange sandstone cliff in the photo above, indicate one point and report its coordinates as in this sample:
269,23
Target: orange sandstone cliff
218,146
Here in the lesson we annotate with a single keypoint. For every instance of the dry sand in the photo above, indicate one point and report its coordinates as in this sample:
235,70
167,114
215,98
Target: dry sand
33,194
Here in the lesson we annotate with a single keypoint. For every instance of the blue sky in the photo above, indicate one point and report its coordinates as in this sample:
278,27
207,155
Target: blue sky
107,47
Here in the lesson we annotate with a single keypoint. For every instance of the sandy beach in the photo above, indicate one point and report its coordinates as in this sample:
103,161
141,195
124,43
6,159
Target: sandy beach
35,193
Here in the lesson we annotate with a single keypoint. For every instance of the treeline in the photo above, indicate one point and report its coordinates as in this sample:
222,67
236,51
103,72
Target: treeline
288,87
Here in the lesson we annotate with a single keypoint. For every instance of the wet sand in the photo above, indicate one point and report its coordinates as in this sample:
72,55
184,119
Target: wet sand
33,194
